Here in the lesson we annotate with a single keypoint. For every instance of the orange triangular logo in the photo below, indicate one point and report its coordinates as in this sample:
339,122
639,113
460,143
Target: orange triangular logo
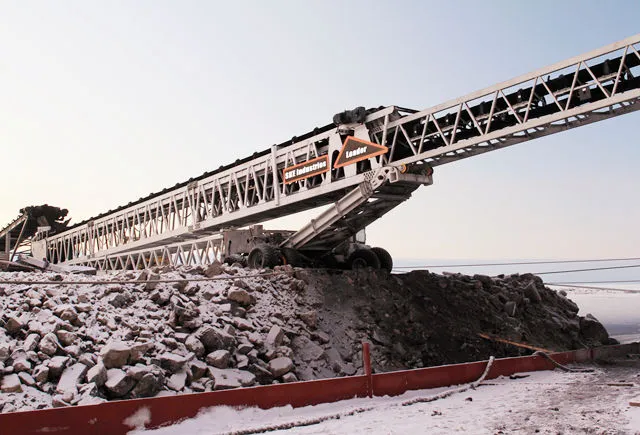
354,150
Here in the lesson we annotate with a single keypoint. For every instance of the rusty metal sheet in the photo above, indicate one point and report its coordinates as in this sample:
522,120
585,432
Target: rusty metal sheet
108,418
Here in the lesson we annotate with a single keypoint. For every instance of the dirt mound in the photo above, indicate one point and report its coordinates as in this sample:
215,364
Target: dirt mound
63,345
423,319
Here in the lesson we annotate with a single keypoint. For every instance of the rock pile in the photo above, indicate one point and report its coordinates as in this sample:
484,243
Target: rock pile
64,345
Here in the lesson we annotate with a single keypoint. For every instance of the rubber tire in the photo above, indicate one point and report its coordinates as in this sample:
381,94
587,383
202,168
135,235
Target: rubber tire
263,256
366,256
386,262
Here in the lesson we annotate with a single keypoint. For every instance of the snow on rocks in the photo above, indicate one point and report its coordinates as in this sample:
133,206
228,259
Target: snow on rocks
193,344
280,366
231,378
10,384
63,345
172,362
115,354
71,378
119,383
219,359
215,338
97,374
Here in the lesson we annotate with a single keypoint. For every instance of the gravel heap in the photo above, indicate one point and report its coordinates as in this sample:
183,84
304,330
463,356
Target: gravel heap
63,345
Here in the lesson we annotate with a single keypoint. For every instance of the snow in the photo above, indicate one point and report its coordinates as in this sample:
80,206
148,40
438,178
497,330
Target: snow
548,401
633,414
138,419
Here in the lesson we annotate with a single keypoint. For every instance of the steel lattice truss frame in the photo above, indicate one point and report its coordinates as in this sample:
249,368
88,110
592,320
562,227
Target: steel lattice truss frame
596,86
241,195
202,251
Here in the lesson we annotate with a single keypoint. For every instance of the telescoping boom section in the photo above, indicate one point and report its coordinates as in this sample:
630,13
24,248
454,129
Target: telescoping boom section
362,165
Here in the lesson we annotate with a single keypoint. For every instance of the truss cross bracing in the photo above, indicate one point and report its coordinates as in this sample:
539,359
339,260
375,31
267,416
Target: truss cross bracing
180,221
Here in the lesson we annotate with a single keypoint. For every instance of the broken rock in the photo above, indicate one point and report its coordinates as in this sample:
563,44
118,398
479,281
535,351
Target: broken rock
66,338
118,382
275,336
219,359
240,296
306,349
177,381
592,330
49,344
97,375
280,366
310,318
13,325
214,269
531,292
510,308
214,338
115,354
289,377
30,343
41,373
11,384
21,365
172,362
56,366
149,385
194,345
231,378
70,378
26,379
5,352
198,369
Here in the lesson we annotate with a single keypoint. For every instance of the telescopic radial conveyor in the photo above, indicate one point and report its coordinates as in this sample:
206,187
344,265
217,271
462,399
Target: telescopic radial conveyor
366,163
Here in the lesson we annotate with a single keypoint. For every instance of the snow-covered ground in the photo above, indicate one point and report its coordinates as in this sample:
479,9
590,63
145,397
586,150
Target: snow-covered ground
542,402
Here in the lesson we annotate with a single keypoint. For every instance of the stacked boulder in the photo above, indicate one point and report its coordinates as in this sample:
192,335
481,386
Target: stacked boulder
153,333
79,344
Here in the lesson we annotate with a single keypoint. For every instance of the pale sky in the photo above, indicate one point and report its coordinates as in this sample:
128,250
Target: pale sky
102,103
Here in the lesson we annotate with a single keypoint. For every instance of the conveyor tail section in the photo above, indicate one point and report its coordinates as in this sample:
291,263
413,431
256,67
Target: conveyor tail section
598,85
19,232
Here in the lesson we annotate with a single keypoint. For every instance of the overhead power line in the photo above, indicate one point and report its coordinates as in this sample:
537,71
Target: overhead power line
597,288
586,270
628,281
518,263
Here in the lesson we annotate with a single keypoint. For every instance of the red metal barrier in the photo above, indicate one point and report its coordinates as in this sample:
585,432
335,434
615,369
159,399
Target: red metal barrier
108,418
366,364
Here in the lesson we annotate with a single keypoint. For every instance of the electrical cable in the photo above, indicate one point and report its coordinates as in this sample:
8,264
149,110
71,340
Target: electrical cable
134,281
629,281
560,271
586,270
562,367
519,263
624,290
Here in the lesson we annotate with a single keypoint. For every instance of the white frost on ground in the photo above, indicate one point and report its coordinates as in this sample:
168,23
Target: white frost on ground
633,413
543,402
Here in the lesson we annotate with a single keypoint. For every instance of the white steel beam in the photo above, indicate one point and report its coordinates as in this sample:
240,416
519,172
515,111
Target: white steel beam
583,89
